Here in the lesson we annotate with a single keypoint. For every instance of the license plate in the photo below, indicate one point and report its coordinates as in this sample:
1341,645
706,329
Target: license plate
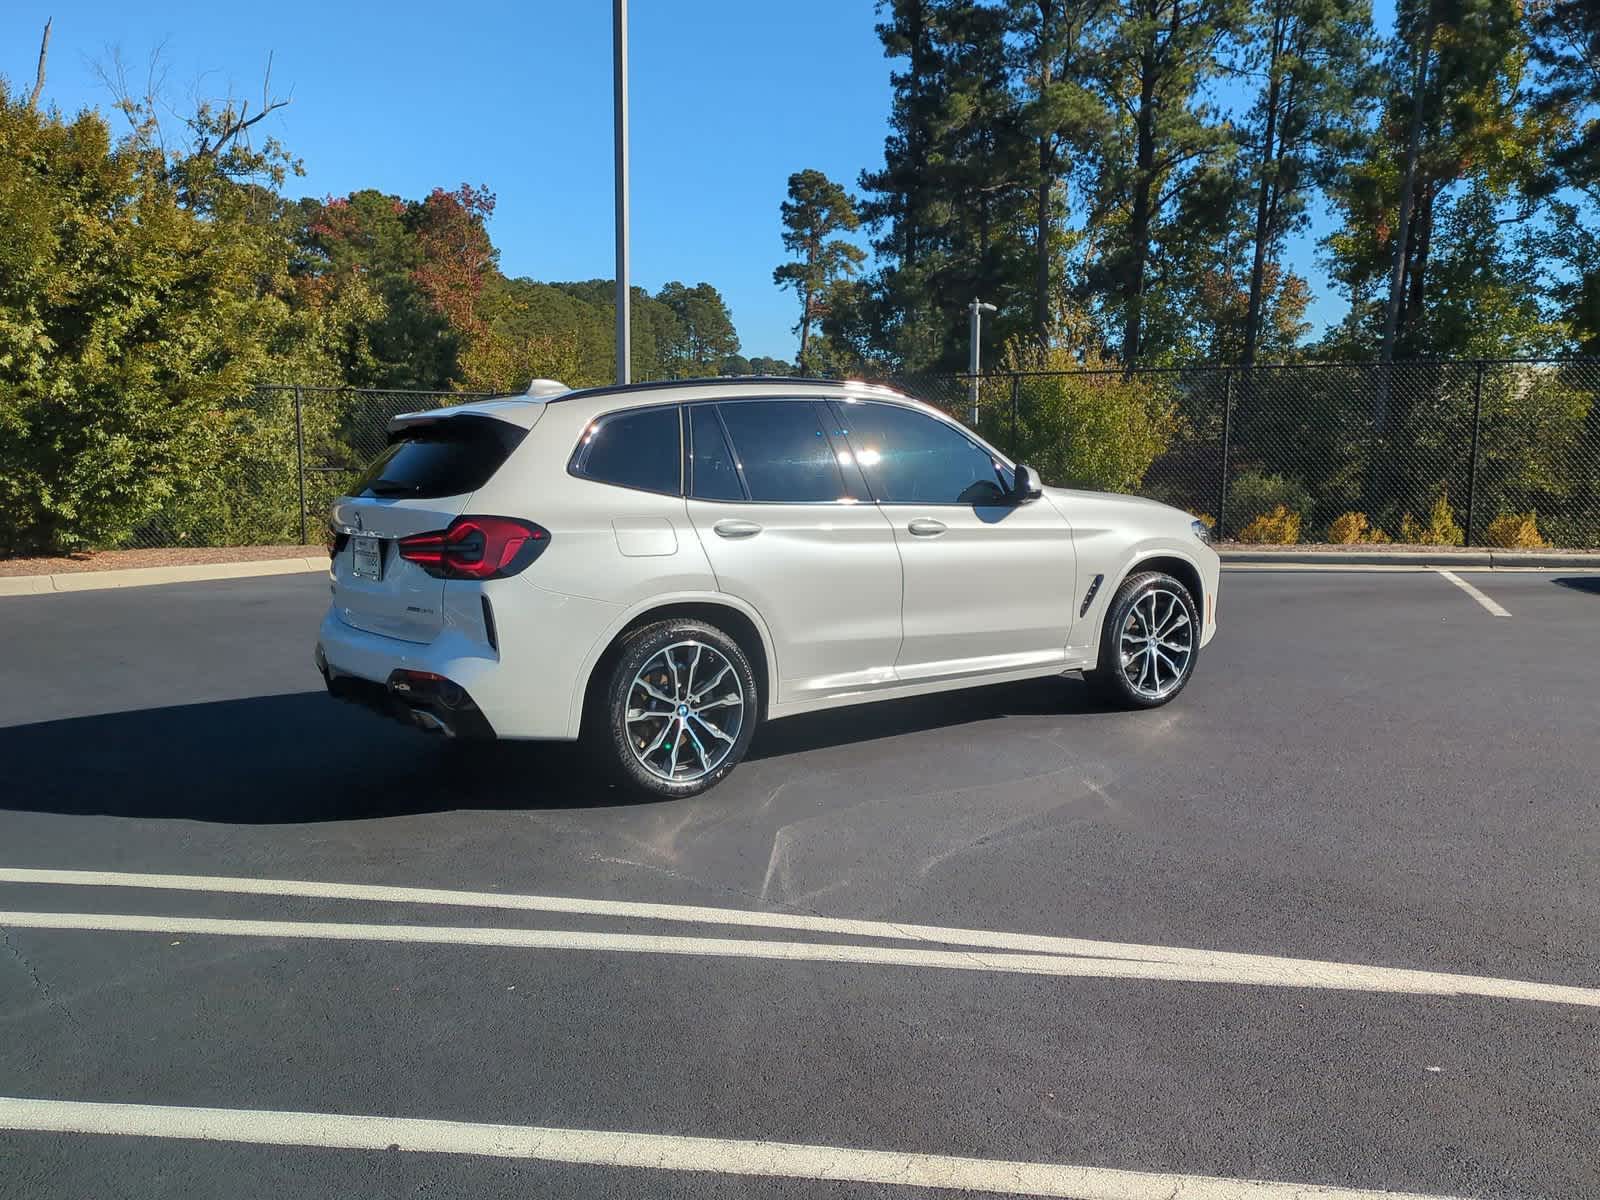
366,558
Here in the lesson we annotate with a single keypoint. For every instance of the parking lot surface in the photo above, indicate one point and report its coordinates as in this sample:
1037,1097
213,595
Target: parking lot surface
1334,920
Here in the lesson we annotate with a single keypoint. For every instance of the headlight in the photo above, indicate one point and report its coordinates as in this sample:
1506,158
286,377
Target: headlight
1201,531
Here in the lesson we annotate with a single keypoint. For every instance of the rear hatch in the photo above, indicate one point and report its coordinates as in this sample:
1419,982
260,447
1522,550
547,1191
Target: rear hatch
422,481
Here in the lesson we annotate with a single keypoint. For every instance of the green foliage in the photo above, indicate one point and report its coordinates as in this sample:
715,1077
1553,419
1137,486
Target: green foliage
1253,494
139,292
817,209
1096,430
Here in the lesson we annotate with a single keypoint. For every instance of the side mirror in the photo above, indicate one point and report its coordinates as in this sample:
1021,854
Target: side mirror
1025,485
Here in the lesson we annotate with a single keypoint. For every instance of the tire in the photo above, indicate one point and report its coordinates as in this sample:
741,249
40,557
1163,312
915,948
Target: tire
1126,679
649,702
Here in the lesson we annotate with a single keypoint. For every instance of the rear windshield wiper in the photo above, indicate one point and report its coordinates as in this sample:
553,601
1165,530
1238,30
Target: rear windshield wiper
382,487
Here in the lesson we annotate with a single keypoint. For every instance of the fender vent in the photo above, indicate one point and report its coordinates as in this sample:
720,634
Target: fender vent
1088,597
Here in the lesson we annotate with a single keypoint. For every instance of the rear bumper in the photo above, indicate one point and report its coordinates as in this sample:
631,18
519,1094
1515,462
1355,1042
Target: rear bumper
522,688
450,711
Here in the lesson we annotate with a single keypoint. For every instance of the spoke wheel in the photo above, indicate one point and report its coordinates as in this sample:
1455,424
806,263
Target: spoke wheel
1149,641
1156,643
685,711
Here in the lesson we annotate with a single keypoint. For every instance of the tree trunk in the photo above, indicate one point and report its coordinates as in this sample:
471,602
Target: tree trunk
1407,185
1139,222
1043,225
1258,267
1416,290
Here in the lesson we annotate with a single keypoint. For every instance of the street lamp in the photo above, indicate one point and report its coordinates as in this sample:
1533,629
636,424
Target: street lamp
619,81
978,309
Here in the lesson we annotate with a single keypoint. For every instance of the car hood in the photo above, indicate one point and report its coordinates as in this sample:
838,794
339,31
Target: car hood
1138,513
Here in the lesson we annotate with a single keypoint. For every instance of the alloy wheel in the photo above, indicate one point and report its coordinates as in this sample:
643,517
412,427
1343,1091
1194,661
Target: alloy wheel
1157,643
685,710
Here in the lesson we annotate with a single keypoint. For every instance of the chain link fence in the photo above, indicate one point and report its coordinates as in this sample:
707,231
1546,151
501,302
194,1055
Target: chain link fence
1502,453
1475,453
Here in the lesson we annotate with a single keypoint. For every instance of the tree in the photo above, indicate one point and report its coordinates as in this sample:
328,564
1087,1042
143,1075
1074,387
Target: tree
139,293
817,209
1475,129
704,334
1064,117
1313,55
1159,59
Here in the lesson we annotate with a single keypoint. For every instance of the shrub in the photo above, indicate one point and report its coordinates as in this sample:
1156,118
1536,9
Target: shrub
1352,528
1280,527
1097,430
1515,531
1254,494
1441,529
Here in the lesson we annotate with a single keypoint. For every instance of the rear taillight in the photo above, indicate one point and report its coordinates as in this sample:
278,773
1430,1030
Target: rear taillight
476,548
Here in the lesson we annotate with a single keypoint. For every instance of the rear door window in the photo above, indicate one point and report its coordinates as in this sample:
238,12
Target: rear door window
783,451
447,457
638,448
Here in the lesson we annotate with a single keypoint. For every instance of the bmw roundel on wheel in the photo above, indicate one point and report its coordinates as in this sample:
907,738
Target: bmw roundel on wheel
657,569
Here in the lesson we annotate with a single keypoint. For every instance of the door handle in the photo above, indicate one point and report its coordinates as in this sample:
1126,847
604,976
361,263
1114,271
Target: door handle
736,529
926,527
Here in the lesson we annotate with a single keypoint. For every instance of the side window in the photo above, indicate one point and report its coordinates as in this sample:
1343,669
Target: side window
712,475
784,453
633,449
910,458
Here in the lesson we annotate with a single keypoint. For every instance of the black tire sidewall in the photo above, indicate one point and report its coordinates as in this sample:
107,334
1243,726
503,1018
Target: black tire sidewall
638,650
1108,672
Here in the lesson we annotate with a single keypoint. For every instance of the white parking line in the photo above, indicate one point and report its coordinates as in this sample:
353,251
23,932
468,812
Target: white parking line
648,1151
1259,971
1466,587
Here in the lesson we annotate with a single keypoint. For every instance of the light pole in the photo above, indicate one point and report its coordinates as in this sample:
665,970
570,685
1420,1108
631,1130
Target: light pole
976,328
619,77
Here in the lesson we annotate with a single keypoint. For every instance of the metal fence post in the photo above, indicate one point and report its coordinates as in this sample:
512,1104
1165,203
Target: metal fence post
1472,461
300,457
1227,439
1016,388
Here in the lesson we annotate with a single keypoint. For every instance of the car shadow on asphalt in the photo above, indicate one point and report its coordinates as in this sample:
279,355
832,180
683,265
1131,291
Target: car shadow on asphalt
304,757
1580,583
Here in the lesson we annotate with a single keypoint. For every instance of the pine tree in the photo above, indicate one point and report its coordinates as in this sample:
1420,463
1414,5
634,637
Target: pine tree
817,209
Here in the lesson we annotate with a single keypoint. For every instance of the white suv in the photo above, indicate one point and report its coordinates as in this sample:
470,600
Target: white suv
659,568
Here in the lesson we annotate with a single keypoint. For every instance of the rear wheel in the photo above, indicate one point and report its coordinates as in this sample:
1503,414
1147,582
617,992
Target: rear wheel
680,708
1149,642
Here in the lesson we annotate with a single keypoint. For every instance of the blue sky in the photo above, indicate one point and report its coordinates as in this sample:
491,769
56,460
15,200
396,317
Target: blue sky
728,98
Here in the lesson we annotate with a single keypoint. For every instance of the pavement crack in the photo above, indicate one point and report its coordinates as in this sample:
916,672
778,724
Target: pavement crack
39,985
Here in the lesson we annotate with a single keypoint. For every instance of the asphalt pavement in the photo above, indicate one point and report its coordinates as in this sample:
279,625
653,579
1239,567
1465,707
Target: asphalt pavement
1370,770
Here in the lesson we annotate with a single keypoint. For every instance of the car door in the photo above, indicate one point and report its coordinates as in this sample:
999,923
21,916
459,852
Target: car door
782,515
988,582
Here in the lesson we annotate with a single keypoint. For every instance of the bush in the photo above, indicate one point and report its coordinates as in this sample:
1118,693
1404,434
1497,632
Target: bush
1352,529
1515,531
1255,494
1083,427
1441,529
1280,527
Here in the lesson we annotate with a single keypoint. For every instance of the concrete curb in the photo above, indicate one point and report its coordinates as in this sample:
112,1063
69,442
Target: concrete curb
93,581
1500,560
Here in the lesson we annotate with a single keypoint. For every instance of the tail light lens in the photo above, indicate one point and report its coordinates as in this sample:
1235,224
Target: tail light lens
476,548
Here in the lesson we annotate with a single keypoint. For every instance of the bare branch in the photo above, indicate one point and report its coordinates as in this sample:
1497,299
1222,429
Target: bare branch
44,53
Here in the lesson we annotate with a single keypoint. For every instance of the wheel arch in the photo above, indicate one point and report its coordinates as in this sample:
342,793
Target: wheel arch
1184,570
738,622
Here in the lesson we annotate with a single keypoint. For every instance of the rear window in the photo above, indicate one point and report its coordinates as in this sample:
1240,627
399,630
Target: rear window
636,448
448,457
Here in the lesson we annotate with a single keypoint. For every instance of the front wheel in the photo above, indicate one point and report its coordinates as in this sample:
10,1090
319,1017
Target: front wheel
680,708
1149,642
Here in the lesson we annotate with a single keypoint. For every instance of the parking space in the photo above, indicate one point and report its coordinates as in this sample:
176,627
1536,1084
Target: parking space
1330,921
